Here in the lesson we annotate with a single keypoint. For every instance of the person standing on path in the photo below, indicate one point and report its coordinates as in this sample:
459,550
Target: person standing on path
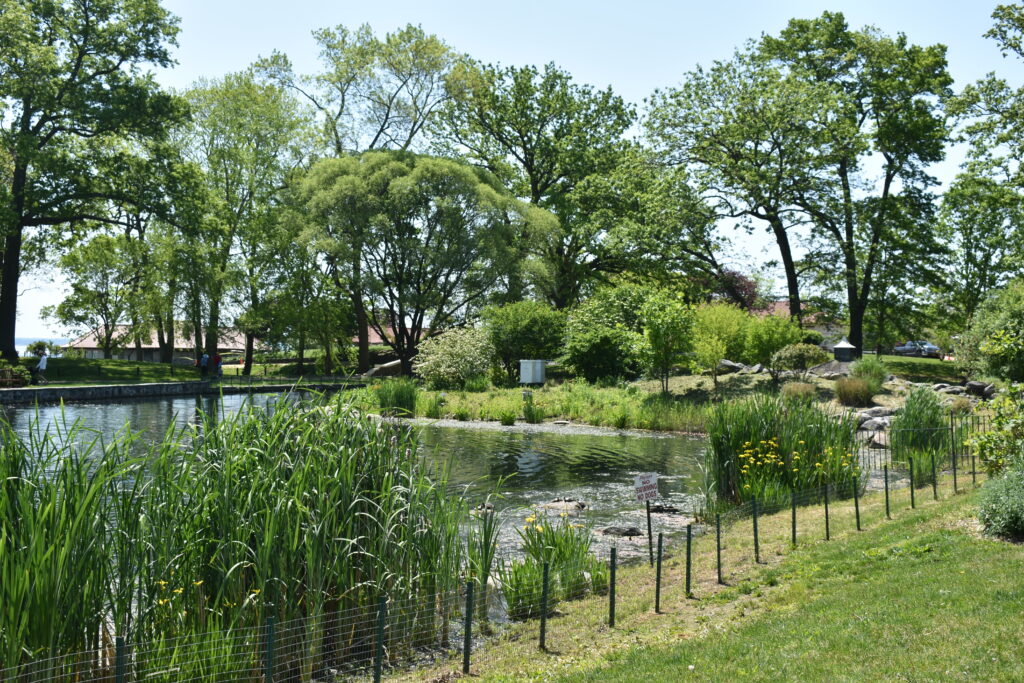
204,364
40,369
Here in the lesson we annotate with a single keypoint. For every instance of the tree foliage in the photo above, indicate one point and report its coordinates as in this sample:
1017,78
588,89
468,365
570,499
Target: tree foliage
523,330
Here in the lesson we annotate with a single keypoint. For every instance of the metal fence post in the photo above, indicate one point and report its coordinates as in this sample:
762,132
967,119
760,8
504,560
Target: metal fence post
689,556
544,609
952,447
611,591
657,576
757,543
792,516
856,500
718,545
913,503
974,473
886,470
119,659
467,629
828,535
378,655
268,654
935,480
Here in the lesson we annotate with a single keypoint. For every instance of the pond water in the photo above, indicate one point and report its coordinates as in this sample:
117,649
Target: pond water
536,466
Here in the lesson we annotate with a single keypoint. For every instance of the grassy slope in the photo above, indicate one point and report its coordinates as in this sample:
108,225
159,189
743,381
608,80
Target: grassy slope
922,369
921,597
93,371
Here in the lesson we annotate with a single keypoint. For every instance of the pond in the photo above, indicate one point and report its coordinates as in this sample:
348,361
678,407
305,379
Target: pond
588,465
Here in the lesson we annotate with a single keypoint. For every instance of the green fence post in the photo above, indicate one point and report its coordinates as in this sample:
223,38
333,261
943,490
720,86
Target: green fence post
378,655
913,503
657,576
856,500
611,590
974,473
718,545
792,515
952,448
886,470
935,480
757,543
828,535
650,535
689,555
467,629
119,659
268,653
544,609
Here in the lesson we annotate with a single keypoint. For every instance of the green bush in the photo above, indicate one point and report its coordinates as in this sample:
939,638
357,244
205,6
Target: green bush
532,413
1002,446
724,322
804,391
397,397
523,330
854,391
603,335
763,447
15,375
1001,510
799,358
994,343
477,384
435,407
871,370
449,360
768,335
462,414
812,337
507,418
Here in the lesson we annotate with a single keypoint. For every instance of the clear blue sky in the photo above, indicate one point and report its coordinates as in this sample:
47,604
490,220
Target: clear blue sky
634,47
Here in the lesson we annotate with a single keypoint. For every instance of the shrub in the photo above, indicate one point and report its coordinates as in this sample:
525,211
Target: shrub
15,375
602,335
961,405
994,344
804,391
668,329
520,580
871,370
397,397
765,446
523,330
727,323
449,360
1002,446
812,337
476,384
798,357
462,414
1001,510
768,335
507,417
854,391
532,413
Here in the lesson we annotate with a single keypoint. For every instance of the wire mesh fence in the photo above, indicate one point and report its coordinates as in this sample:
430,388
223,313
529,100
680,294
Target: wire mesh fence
391,634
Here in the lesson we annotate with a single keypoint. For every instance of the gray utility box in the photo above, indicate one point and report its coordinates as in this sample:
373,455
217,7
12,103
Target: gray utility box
532,371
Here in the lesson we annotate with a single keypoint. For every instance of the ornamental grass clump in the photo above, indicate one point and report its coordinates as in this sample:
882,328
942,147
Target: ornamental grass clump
766,446
920,430
308,514
397,397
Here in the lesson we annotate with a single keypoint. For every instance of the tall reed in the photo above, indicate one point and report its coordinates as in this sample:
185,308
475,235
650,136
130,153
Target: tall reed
306,514
764,447
920,430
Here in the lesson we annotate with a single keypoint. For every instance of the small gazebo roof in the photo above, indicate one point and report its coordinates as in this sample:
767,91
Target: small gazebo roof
845,345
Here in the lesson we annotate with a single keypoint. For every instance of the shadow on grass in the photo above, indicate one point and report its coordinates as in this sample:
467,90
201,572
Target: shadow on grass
922,369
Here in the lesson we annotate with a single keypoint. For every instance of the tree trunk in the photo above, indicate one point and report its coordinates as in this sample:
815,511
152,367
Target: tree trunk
249,346
213,327
362,332
302,349
12,266
786,252
857,325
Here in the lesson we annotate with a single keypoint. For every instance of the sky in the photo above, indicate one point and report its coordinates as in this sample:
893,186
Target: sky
634,47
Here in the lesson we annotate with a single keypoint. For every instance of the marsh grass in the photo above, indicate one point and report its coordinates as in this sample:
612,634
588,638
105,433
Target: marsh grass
766,446
920,430
397,397
298,513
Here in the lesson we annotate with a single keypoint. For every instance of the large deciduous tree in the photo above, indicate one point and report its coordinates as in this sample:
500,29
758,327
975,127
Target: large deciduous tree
71,76
436,236
543,135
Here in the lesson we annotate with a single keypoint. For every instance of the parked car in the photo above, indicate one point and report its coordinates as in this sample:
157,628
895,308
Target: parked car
922,349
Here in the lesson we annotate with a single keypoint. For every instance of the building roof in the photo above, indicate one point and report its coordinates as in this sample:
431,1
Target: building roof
231,339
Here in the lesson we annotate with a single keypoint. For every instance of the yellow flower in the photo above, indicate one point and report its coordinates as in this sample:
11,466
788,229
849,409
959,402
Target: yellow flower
163,601
564,515
161,583
796,457
197,583
255,591
746,486
531,519
539,528
179,591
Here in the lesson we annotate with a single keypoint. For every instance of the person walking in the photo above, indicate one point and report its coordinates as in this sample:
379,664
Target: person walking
40,378
218,371
204,364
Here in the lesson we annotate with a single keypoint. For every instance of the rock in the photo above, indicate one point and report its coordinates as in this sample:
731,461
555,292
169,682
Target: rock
879,440
658,507
989,391
877,411
757,369
833,375
940,386
565,504
560,422
622,531
956,391
976,388
876,424
727,366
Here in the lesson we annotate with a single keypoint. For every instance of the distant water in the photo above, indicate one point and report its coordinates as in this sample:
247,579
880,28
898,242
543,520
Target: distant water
21,342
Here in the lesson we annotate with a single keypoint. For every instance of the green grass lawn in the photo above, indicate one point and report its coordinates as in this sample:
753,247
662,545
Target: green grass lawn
97,371
922,369
923,598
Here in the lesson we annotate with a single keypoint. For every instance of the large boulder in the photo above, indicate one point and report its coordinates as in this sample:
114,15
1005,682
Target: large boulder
877,411
625,531
727,366
875,424
990,391
954,390
940,386
565,505
879,440
983,389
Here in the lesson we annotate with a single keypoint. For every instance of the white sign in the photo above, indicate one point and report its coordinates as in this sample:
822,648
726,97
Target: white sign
646,486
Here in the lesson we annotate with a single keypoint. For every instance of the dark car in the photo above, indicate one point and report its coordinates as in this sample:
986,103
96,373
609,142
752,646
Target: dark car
917,348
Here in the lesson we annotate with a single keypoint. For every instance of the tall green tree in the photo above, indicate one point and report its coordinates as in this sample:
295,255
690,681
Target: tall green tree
881,129
71,76
246,136
436,238
543,135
